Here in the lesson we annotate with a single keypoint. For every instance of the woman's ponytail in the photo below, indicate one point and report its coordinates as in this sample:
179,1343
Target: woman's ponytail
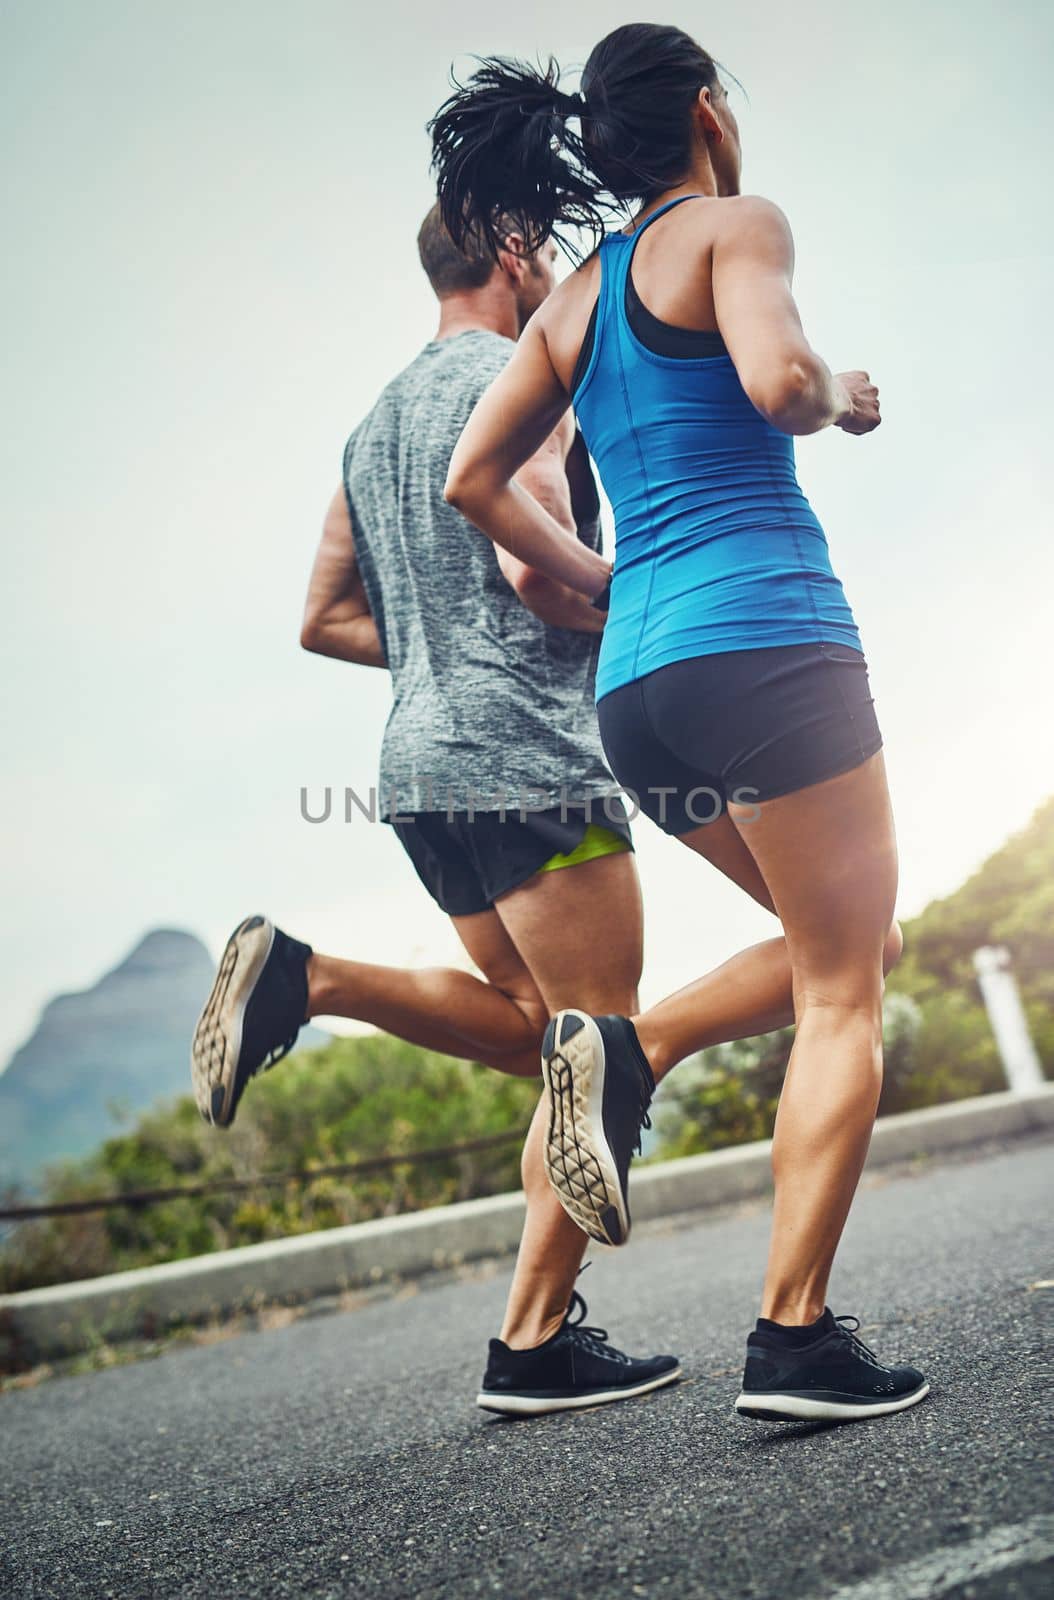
513,153
506,161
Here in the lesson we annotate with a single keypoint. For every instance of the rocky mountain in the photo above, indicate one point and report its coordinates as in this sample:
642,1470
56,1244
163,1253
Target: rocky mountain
104,1054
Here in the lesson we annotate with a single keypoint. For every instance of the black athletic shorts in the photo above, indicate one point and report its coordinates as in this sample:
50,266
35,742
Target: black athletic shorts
745,726
466,862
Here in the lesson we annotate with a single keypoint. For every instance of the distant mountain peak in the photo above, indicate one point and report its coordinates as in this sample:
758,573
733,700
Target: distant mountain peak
123,1040
164,948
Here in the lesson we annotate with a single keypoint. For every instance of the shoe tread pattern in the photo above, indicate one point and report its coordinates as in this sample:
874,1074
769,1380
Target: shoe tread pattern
210,1063
571,1167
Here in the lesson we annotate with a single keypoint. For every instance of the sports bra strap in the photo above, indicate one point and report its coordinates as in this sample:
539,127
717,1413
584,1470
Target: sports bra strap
631,238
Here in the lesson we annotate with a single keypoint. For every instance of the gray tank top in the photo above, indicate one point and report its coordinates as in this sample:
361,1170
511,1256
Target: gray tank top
492,708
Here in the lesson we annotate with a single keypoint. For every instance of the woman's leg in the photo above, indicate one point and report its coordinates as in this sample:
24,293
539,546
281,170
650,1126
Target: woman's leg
752,992
828,855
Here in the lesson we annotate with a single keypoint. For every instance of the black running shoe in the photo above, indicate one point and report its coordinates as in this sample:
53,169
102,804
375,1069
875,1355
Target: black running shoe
251,1019
575,1368
600,1086
832,1377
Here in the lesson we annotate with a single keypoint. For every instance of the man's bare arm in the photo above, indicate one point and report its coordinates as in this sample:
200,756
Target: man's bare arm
337,618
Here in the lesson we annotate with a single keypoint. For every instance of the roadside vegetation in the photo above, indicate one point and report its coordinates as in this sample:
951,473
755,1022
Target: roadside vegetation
350,1101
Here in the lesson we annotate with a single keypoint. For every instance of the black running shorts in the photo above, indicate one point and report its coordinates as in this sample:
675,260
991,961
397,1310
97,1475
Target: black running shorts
744,725
465,862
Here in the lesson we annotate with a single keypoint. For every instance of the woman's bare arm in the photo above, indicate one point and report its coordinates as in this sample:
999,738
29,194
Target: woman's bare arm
337,618
544,477
753,266
510,424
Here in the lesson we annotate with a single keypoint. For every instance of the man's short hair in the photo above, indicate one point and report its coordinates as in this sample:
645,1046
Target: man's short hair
448,268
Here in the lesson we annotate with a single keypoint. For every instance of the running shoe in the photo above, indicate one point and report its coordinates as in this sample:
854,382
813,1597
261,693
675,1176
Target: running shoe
251,1019
600,1086
577,1367
834,1377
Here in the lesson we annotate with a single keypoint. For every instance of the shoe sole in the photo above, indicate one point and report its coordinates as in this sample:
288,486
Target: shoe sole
523,1405
216,1046
804,1408
579,1162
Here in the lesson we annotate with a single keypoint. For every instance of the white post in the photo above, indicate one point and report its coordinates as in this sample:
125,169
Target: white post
1007,1016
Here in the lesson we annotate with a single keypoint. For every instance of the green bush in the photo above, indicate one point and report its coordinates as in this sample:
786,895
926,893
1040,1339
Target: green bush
1008,901
349,1101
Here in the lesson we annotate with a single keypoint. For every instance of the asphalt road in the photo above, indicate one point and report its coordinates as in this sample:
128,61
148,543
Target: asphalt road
342,1455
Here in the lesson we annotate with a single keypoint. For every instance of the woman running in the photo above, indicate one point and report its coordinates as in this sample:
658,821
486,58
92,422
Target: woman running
732,692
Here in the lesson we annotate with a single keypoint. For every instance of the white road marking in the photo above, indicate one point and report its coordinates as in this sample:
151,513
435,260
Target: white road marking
1017,1544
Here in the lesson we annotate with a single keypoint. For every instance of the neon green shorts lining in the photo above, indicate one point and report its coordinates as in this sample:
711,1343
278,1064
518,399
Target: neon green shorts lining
597,841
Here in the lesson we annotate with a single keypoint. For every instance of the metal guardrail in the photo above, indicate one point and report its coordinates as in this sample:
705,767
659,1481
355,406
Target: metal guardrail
137,1198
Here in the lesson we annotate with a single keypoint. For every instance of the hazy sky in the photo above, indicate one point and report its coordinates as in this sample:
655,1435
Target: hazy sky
210,271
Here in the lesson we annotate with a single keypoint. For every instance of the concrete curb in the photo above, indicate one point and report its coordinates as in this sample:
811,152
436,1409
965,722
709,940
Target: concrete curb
72,1317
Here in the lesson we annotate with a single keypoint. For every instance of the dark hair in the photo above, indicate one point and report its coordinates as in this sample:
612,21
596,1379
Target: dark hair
451,267
501,145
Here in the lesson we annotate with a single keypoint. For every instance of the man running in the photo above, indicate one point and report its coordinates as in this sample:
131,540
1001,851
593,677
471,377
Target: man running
493,780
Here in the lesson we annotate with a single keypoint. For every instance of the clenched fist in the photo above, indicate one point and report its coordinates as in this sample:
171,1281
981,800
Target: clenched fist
864,415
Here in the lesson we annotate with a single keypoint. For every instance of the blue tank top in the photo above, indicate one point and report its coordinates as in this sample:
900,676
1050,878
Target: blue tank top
716,547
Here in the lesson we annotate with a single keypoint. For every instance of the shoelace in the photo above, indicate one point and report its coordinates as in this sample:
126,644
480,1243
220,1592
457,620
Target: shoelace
595,1339
848,1327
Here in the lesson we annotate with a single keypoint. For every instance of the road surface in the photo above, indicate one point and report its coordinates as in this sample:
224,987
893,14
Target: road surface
342,1455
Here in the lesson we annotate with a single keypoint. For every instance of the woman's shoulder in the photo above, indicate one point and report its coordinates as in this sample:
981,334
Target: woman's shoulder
751,212
574,294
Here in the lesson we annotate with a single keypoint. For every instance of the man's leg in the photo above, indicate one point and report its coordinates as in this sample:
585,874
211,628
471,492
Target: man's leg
573,932
581,928
579,931
569,933
499,1021
577,928
268,984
